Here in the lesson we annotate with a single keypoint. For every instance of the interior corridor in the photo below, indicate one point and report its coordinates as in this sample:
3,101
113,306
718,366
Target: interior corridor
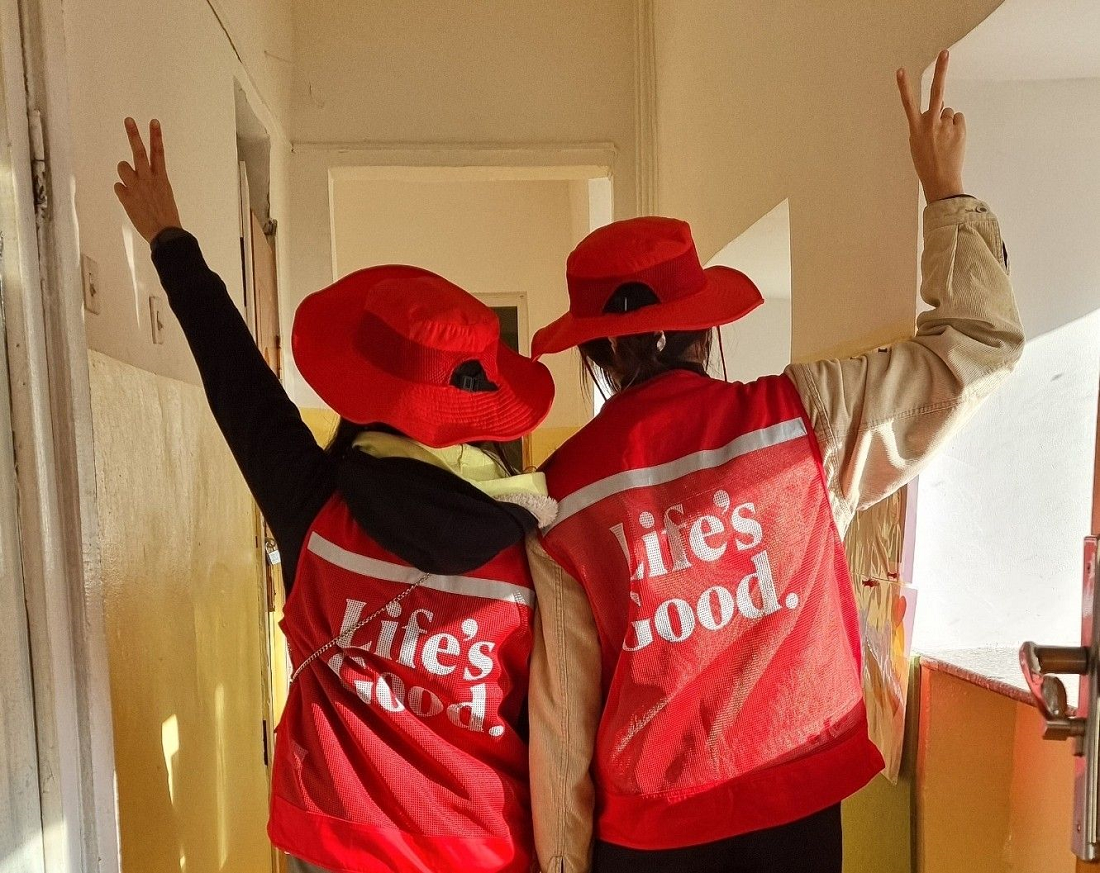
483,140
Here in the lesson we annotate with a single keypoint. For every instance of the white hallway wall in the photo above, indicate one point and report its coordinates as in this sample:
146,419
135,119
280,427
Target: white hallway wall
180,571
760,344
175,62
1002,511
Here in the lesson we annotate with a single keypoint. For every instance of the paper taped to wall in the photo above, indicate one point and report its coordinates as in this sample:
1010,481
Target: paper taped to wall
887,608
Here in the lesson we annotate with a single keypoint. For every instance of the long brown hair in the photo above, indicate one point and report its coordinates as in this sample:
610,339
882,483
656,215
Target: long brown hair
633,359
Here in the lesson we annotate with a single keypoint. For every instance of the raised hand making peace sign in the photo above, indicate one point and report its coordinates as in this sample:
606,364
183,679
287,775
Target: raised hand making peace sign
937,137
145,192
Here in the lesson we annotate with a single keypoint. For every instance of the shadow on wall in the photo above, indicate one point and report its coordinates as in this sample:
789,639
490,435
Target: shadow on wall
760,344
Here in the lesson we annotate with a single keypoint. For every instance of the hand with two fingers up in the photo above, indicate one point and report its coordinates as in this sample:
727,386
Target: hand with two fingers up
937,136
144,190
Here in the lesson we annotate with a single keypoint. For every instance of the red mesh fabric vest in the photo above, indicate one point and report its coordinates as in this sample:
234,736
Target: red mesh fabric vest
399,748
696,516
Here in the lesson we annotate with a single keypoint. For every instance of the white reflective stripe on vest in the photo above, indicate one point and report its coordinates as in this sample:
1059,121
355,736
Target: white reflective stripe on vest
783,432
489,589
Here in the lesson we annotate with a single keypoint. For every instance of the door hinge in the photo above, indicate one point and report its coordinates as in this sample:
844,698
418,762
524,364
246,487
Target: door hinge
38,165
263,725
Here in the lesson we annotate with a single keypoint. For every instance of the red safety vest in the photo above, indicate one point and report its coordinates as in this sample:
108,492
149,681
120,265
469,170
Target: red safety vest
696,516
400,749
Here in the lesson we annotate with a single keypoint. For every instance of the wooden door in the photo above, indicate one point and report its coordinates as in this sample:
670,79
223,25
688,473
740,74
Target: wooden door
265,296
261,303
265,299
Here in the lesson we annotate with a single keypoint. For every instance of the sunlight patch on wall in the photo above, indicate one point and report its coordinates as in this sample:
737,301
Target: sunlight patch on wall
170,744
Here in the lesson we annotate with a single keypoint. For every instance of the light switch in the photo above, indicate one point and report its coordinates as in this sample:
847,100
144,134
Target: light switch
89,271
156,319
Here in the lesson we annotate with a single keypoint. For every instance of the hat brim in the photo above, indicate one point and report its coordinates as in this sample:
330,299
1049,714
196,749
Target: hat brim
728,295
324,345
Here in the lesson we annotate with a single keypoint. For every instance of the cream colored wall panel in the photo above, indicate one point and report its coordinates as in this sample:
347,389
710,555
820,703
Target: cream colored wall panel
182,602
495,71
176,62
759,101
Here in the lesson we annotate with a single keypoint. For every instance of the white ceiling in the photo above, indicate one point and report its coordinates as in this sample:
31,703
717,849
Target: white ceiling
1032,39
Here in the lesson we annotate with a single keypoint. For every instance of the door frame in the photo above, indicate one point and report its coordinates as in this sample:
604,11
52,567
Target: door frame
52,434
274,656
591,163
518,299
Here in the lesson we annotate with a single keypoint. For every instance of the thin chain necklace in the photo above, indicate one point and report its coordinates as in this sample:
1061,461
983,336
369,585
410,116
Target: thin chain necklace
345,637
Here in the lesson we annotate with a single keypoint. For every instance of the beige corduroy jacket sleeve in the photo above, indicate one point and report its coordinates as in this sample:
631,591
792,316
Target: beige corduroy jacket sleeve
878,418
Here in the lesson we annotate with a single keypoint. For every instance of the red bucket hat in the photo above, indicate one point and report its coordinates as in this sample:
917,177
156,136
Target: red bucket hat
659,254
402,346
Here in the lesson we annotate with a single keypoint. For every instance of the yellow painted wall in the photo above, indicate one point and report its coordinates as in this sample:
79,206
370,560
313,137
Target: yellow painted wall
878,831
321,421
180,564
992,795
545,441
182,603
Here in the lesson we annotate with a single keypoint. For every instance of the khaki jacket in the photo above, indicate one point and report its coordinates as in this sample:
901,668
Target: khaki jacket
878,417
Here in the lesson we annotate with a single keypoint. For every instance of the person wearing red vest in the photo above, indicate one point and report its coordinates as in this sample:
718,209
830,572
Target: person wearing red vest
403,744
696,693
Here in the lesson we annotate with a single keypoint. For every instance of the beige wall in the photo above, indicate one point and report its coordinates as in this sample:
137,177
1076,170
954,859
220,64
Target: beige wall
506,75
759,101
173,61
181,575
760,344
495,71
488,237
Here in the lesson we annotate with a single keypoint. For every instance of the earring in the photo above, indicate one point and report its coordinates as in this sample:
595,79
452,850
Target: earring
661,342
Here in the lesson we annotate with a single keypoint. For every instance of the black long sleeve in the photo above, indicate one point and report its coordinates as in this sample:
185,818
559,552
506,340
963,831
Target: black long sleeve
287,472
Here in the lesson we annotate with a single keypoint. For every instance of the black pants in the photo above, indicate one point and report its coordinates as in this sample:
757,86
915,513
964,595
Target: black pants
810,845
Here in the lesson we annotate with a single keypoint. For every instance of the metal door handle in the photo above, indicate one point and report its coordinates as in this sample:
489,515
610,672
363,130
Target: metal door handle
1039,665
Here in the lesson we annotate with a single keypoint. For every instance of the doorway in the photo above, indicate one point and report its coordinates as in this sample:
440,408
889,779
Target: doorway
501,233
